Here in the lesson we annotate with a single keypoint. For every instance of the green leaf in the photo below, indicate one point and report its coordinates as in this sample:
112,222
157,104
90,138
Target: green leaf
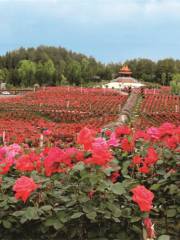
77,215
171,212
6,224
102,186
159,162
31,213
91,215
135,219
116,220
18,213
53,222
79,166
155,186
114,209
164,237
125,167
58,225
118,188
173,189
126,212
46,208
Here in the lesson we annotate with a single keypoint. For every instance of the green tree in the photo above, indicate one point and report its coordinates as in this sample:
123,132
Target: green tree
73,72
26,72
175,84
45,73
164,70
143,69
60,68
49,72
4,74
64,81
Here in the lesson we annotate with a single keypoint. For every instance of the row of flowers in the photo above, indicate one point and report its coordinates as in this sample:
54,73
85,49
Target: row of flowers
62,103
161,103
30,129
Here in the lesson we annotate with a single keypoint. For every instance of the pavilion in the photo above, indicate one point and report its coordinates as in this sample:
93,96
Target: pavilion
124,80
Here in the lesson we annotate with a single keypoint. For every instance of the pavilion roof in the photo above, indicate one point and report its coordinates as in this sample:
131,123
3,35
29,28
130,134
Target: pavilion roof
125,70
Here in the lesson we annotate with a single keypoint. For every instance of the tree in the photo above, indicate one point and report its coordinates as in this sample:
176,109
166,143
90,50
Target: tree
64,81
26,72
60,68
73,72
4,73
45,73
175,84
49,72
143,69
164,70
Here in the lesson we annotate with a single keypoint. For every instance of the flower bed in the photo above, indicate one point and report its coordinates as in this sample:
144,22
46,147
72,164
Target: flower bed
63,110
116,185
159,108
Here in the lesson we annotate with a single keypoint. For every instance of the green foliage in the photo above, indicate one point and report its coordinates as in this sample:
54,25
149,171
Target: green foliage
26,72
175,84
4,75
54,64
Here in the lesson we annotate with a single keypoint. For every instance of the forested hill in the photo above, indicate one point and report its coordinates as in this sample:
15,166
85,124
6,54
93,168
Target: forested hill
58,66
49,65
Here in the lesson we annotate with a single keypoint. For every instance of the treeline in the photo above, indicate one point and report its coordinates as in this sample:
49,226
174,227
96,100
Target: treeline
58,66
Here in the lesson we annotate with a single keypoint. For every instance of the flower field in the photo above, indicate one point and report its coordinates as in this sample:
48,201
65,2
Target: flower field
64,111
159,108
60,168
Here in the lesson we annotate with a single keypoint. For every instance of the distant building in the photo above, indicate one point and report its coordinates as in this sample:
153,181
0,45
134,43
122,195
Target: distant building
124,80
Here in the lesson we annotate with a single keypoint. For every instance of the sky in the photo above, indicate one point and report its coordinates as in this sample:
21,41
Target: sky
109,30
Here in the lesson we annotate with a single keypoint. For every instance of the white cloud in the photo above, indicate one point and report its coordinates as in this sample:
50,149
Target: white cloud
111,10
101,11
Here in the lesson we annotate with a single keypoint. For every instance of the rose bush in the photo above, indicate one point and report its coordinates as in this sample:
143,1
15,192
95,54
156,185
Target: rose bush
117,185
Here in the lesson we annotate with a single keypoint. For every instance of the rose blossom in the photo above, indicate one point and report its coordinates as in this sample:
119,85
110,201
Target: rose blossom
143,197
23,187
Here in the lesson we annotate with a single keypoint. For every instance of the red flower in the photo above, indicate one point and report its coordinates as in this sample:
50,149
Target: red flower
85,137
137,159
171,142
139,134
122,130
166,129
56,161
143,197
79,156
152,156
100,153
154,133
108,132
47,132
149,228
126,145
23,187
144,169
114,176
28,162
5,165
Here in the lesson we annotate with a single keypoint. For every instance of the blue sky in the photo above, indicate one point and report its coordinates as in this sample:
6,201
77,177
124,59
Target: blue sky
109,30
